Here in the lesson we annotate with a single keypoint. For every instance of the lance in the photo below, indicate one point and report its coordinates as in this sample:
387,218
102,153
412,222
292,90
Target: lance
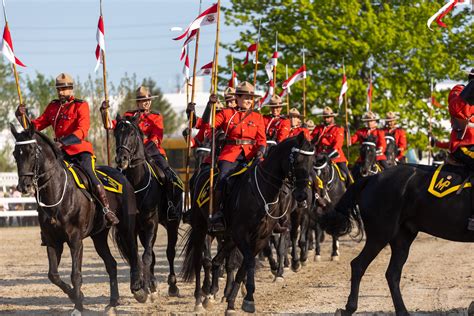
370,89
287,93
348,135
106,97
215,70
191,119
430,149
304,86
233,71
276,63
15,73
256,61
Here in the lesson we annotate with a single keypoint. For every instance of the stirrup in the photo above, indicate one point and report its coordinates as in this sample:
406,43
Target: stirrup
217,223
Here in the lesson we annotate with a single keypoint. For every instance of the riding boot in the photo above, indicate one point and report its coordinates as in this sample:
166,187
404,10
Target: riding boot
173,212
217,222
109,216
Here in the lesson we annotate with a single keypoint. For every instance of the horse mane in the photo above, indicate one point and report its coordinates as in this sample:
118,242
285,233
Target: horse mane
57,153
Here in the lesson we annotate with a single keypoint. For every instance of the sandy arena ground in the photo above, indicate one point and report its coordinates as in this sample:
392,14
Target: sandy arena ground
438,278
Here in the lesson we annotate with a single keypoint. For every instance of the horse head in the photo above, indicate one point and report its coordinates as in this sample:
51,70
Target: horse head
34,154
128,142
391,151
368,154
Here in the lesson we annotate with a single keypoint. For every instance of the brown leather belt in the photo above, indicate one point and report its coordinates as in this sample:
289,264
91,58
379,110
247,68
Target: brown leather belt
240,142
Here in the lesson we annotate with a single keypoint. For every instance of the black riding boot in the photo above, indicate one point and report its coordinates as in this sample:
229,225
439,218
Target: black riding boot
109,216
172,211
217,222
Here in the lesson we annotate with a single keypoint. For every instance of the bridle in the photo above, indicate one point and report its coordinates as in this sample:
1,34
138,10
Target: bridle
37,175
373,166
131,151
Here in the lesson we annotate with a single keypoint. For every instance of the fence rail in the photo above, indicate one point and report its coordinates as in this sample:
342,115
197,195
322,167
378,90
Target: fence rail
10,205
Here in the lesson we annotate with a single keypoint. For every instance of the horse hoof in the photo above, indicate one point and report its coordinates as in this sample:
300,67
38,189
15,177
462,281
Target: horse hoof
279,280
295,268
110,310
470,310
198,308
248,306
341,312
286,269
173,291
230,312
334,258
208,302
140,296
76,312
317,258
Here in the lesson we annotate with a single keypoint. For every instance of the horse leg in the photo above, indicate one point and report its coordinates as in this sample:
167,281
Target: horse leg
295,261
76,246
217,262
248,304
400,246
310,238
282,250
102,248
54,258
148,238
335,249
358,267
267,252
172,230
207,265
317,251
239,277
303,242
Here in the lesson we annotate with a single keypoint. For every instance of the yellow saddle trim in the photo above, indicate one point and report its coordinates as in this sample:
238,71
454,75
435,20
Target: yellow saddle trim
243,169
320,182
339,172
113,185
203,196
443,187
467,152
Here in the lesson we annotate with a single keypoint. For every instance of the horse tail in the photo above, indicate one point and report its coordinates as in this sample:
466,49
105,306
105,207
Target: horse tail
193,248
338,222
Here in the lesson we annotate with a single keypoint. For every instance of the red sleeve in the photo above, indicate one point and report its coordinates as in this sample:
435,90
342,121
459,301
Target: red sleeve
402,143
284,130
261,138
338,142
355,138
157,130
381,143
457,106
198,123
442,145
315,132
43,121
220,119
83,120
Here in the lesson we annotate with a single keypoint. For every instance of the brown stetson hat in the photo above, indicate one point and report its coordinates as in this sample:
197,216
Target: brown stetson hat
369,116
294,113
143,94
64,81
275,102
229,94
245,88
391,116
327,111
310,125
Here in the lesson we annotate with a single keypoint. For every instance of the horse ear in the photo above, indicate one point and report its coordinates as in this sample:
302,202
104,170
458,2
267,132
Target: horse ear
13,130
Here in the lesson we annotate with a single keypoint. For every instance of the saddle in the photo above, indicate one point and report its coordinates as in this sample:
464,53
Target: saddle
448,179
162,176
83,181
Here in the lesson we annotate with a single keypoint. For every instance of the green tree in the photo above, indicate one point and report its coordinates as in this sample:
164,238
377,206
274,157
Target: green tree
389,38
8,94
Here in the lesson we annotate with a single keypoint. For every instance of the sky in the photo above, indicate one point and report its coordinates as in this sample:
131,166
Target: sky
54,36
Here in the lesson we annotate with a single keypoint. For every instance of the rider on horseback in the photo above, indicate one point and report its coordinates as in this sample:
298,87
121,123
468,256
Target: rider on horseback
392,130
329,138
244,140
151,125
70,120
277,127
296,128
361,134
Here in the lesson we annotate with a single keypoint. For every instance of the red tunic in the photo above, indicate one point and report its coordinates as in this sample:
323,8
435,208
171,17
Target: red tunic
400,140
442,144
66,119
276,127
458,108
251,128
329,139
361,134
297,130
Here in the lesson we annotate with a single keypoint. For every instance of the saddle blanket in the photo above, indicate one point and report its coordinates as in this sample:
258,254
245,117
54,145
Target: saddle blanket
110,184
448,179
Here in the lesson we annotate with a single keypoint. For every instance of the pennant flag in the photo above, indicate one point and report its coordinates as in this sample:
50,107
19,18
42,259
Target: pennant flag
370,90
251,53
300,74
190,38
438,16
233,82
266,99
186,68
7,48
284,92
207,17
344,89
270,65
100,36
205,70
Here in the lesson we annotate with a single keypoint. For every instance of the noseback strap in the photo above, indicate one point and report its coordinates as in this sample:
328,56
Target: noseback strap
301,151
25,142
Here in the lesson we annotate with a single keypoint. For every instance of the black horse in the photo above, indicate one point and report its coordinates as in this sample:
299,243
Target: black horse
393,207
68,214
391,152
333,189
368,164
151,199
247,205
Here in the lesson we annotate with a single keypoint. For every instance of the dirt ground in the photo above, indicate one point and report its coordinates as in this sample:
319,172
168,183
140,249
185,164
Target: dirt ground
438,279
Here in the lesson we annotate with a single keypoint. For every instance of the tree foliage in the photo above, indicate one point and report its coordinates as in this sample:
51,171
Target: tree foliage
389,38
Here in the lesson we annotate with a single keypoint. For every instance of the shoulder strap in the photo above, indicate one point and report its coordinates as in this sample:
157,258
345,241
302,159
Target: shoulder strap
249,111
